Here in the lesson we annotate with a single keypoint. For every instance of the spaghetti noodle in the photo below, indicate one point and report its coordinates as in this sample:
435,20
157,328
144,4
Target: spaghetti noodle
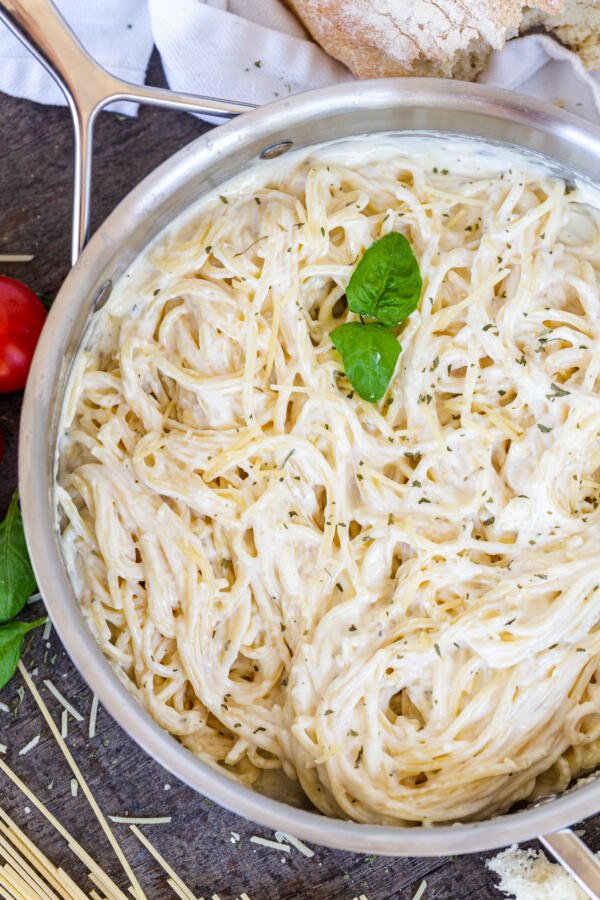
395,604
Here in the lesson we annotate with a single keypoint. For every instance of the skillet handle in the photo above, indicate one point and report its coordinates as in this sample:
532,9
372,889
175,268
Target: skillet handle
579,861
88,88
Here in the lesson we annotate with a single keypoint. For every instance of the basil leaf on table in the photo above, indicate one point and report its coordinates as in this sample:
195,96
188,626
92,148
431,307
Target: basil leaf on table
386,284
17,581
369,353
11,644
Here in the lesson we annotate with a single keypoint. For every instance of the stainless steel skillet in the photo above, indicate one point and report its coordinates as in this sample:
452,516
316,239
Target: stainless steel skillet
570,145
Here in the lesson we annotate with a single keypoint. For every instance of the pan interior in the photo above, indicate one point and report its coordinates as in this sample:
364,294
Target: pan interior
172,190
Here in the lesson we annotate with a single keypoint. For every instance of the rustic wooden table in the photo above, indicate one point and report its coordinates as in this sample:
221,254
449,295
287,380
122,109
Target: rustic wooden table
35,197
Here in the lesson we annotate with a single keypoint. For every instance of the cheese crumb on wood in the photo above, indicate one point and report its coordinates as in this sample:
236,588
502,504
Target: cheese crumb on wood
32,743
265,842
529,875
295,842
93,715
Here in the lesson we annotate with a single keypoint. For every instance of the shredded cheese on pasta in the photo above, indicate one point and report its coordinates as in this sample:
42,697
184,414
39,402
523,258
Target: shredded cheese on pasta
396,605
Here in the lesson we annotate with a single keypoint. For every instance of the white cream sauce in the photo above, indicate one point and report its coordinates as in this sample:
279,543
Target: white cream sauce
395,604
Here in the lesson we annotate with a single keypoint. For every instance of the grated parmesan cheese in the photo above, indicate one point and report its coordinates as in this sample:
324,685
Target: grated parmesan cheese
74,787
188,382
32,743
265,842
529,875
64,724
16,257
93,715
295,842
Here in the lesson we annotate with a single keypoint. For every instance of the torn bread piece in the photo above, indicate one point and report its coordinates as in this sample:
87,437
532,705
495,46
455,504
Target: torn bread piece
448,39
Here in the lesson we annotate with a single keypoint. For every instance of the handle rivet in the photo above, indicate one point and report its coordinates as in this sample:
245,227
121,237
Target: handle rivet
276,150
102,296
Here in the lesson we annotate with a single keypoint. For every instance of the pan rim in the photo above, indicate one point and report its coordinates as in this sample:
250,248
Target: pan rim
36,487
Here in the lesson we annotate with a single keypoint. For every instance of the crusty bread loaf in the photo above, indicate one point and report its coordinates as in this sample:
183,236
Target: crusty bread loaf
447,38
577,26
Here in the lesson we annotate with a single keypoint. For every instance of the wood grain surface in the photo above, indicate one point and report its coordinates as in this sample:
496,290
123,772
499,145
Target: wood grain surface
35,197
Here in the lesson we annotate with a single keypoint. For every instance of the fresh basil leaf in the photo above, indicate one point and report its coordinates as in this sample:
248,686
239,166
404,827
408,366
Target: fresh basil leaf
386,284
17,581
11,644
369,353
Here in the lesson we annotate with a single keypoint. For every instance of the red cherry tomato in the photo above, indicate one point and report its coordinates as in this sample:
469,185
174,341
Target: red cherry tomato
22,316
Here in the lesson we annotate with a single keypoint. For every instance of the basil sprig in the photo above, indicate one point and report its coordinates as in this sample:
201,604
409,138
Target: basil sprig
385,286
11,644
370,353
17,583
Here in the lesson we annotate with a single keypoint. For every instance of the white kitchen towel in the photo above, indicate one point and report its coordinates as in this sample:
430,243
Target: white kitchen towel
256,50
250,50
539,66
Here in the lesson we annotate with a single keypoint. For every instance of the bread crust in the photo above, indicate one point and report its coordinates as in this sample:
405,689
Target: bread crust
445,38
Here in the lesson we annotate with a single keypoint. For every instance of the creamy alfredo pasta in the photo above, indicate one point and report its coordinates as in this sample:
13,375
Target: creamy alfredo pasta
396,604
